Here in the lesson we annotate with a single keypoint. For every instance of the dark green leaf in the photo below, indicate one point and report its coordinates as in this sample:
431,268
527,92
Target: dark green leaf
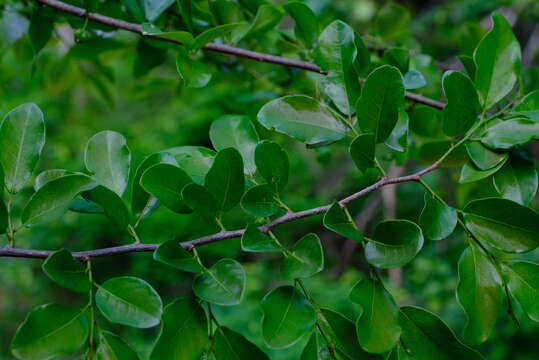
272,163
482,157
198,198
154,8
438,220
336,219
196,161
316,349
222,284
522,279
306,27
392,21
112,346
430,152
136,8
306,258
166,182
49,175
397,57
61,268
507,134
194,73
470,173
3,217
529,106
362,151
517,180
41,26
398,139
225,179
260,201
468,64
183,37
253,240
230,345
414,79
267,17
462,107
212,34
113,206
173,254
426,121
185,8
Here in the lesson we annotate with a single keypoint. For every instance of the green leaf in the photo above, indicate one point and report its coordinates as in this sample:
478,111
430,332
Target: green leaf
522,279
468,64
272,163
184,332
509,133
166,182
397,57
482,157
198,198
306,25
470,173
413,79
185,9
238,132
398,139
302,118
497,58
316,349
336,54
254,241
260,201
67,272
427,337
3,217
503,224
362,151
194,73
112,204
22,136
305,259
173,254
426,121
394,244
225,179
337,220
462,107
437,220
196,161
47,176
480,293
129,301
377,326
49,331
378,106
430,152
212,34
529,106
154,8
222,284
230,345
288,316
183,37
111,346
108,159
517,180
392,21
136,8
267,17
52,200
41,26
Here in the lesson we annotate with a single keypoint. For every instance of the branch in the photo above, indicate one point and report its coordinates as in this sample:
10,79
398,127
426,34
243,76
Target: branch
221,48
223,235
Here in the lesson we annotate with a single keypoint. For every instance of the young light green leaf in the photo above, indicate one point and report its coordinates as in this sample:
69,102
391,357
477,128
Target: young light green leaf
305,260
22,136
184,332
529,106
222,284
194,73
112,204
272,163
184,37
196,161
225,179
108,159
129,301
378,106
50,331
470,173
517,180
288,316
173,254
67,272
437,220
260,201
154,8
306,24
302,118
362,151
377,326
233,346
336,219
198,198
254,241
166,182
462,107
413,79
238,132
503,224
522,279
482,157
480,293
506,134
111,346
394,244
398,139
497,58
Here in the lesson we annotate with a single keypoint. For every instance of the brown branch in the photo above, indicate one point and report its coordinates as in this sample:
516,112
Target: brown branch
221,48
223,235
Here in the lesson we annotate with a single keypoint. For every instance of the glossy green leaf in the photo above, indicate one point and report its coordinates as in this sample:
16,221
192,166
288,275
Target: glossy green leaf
437,220
522,279
529,106
198,198
336,54
468,64
427,337
238,132
302,118
67,272
482,157
173,254
111,346
129,301
470,173
229,345
184,332
480,293
362,151
154,8
260,201
222,284
53,199
47,176
212,34
225,179
288,316
413,79
22,136
497,58
272,163
509,133
184,37
166,182
254,241
378,106
337,220
394,244
113,206
50,331
462,107
398,139
503,224
194,73
108,159
377,326
517,180
196,161
306,24
305,259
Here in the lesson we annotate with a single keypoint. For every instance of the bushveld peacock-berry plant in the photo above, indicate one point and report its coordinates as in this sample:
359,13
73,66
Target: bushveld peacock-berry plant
362,100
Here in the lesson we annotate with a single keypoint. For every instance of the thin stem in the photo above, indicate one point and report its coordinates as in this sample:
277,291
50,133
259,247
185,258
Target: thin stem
133,233
379,167
9,231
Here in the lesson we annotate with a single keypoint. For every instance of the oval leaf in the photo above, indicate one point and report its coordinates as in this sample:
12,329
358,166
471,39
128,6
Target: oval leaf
462,107
225,180
272,163
337,219
166,182
112,346
260,201
305,260
362,151
437,220
517,180
522,279
254,241
173,254
506,134
222,284
233,346
63,269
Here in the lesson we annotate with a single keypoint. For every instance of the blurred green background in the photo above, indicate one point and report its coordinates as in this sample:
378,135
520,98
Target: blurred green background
123,84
